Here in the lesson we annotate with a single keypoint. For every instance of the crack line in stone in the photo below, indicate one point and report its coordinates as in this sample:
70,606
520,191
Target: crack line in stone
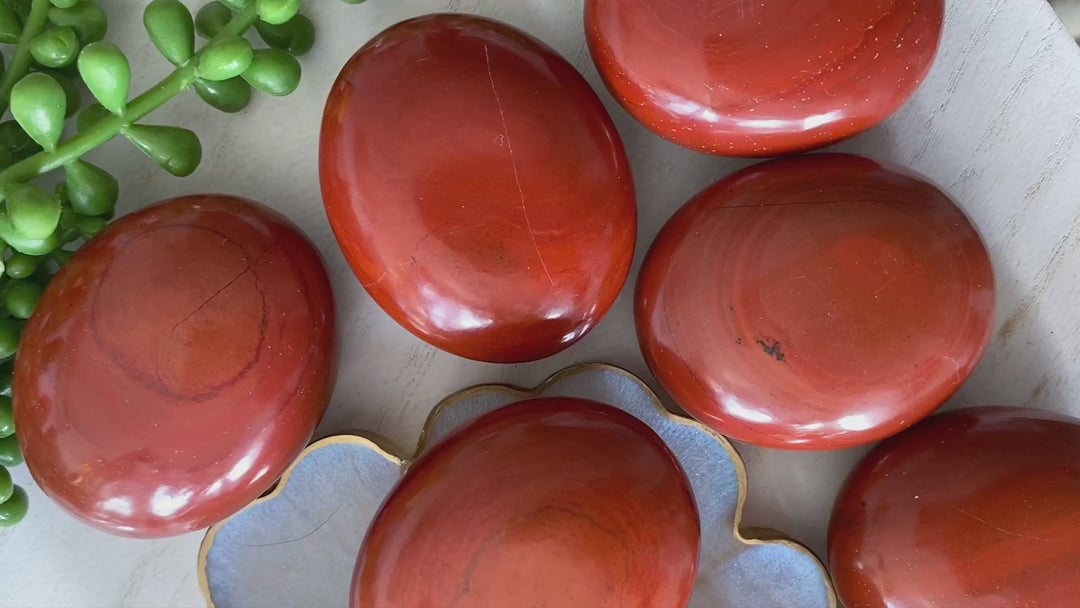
513,164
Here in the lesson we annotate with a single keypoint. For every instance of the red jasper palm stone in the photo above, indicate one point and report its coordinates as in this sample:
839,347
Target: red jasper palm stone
477,187
548,502
762,78
175,366
969,509
817,302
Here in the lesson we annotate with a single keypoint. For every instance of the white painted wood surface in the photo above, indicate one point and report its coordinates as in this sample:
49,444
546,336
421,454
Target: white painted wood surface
1069,13
997,123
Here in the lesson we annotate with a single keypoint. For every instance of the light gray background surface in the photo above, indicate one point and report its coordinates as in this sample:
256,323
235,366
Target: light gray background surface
997,124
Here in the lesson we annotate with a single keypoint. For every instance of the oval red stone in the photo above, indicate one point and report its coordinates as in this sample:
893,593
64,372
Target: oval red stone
175,366
969,509
816,302
547,502
755,78
477,187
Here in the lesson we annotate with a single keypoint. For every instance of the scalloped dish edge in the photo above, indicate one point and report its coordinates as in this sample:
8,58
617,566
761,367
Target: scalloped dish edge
380,447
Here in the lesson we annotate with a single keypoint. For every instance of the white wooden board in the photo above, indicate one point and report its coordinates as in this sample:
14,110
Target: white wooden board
997,123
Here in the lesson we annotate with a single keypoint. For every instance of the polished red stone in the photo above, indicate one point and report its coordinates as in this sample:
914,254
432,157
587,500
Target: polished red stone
175,366
477,187
817,302
974,508
757,78
548,502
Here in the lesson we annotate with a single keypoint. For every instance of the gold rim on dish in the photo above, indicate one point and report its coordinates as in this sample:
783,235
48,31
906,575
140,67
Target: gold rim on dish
750,536
204,548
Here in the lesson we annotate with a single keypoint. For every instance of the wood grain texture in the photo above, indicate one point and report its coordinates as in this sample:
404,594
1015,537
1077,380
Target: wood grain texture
996,123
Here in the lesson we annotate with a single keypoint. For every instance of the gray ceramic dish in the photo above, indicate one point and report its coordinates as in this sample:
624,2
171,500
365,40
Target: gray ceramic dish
297,546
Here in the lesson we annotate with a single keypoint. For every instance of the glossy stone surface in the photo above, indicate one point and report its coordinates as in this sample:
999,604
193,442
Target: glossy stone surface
477,187
547,502
974,508
816,302
762,78
175,366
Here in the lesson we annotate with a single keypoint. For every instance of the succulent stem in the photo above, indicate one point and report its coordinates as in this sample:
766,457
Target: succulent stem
20,61
181,78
